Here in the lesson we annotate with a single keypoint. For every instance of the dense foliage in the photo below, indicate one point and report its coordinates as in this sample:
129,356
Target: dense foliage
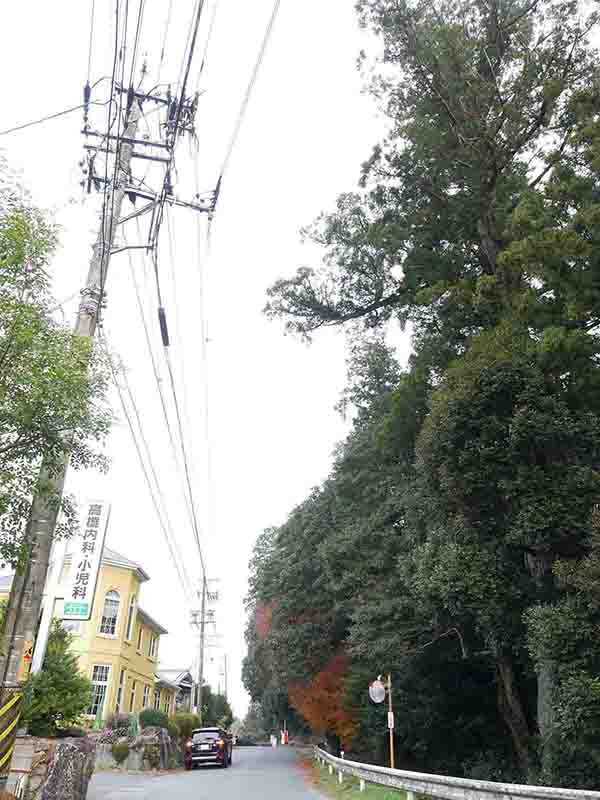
52,385
153,718
216,710
456,542
58,696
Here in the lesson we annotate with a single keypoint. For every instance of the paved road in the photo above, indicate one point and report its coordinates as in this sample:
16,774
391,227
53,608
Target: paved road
257,773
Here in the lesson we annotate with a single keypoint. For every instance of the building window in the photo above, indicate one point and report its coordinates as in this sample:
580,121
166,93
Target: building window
152,646
140,643
130,618
100,674
146,700
157,699
110,612
119,706
132,698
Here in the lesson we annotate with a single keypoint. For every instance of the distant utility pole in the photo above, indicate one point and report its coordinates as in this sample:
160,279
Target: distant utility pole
27,589
202,639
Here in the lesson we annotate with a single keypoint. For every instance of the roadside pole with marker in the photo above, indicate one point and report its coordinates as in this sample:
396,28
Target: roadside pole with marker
378,690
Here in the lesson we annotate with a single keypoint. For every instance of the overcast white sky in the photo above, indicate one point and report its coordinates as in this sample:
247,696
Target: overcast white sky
272,423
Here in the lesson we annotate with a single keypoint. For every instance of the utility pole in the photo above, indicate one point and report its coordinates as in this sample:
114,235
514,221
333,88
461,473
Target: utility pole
26,593
225,658
202,637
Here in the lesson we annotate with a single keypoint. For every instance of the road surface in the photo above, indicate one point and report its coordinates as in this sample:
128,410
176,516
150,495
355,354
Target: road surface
257,773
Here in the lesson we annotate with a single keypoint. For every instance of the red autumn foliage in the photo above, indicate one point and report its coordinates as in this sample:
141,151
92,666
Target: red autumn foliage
321,701
263,619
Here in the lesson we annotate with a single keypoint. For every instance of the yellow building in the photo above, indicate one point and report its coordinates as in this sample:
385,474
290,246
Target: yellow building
118,647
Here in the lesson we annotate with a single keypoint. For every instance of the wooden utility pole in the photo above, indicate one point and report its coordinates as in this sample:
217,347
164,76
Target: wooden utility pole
27,589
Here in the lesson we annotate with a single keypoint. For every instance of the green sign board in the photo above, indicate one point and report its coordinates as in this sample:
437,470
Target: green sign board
75,610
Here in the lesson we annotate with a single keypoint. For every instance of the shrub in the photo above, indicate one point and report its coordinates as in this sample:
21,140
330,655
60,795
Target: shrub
58,695
173,729
149,718
120,752
152,755
186,723
117,721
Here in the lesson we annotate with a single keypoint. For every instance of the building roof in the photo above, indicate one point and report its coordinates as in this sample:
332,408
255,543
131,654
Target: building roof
117,560
163,681
176,676
148,620
114,559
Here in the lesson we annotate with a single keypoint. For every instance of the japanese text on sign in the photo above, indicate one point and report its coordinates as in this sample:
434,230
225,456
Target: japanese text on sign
85,561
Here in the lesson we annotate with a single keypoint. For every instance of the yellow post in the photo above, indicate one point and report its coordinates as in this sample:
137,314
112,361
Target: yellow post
391,711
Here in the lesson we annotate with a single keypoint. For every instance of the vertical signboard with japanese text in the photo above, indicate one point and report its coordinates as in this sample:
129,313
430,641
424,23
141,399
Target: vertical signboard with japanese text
85,560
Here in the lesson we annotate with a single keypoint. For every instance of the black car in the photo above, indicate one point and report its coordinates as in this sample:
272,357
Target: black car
208,746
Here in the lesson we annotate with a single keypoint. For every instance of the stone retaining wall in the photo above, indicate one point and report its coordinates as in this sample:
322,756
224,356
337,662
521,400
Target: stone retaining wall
52,769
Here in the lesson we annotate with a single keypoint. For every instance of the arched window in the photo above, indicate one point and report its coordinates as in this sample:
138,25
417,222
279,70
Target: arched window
110,612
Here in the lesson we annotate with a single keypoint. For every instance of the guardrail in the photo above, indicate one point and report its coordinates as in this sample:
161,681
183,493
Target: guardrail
444,786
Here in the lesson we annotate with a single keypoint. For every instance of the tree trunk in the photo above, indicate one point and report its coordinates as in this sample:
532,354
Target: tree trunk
540,568
511,709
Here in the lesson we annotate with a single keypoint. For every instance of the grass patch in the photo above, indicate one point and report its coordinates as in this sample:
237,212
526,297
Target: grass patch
349,789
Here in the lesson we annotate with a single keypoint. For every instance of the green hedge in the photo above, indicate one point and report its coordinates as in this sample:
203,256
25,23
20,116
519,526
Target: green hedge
149,718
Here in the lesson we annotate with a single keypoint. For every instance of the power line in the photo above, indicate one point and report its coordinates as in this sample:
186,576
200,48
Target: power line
89,72
207,43
184,454
117,145
157,377
199,9
140,18
154,490
204,340
49,117
164,40
249,89
108,130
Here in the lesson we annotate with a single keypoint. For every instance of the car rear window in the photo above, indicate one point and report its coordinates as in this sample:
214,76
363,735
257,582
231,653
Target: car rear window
206,736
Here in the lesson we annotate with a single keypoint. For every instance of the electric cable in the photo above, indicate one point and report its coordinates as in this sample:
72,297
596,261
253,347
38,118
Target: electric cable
49,117
164,41
157,378
109,128
140,18
207,43
184,454
202,264
89,72
155,491
246,100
